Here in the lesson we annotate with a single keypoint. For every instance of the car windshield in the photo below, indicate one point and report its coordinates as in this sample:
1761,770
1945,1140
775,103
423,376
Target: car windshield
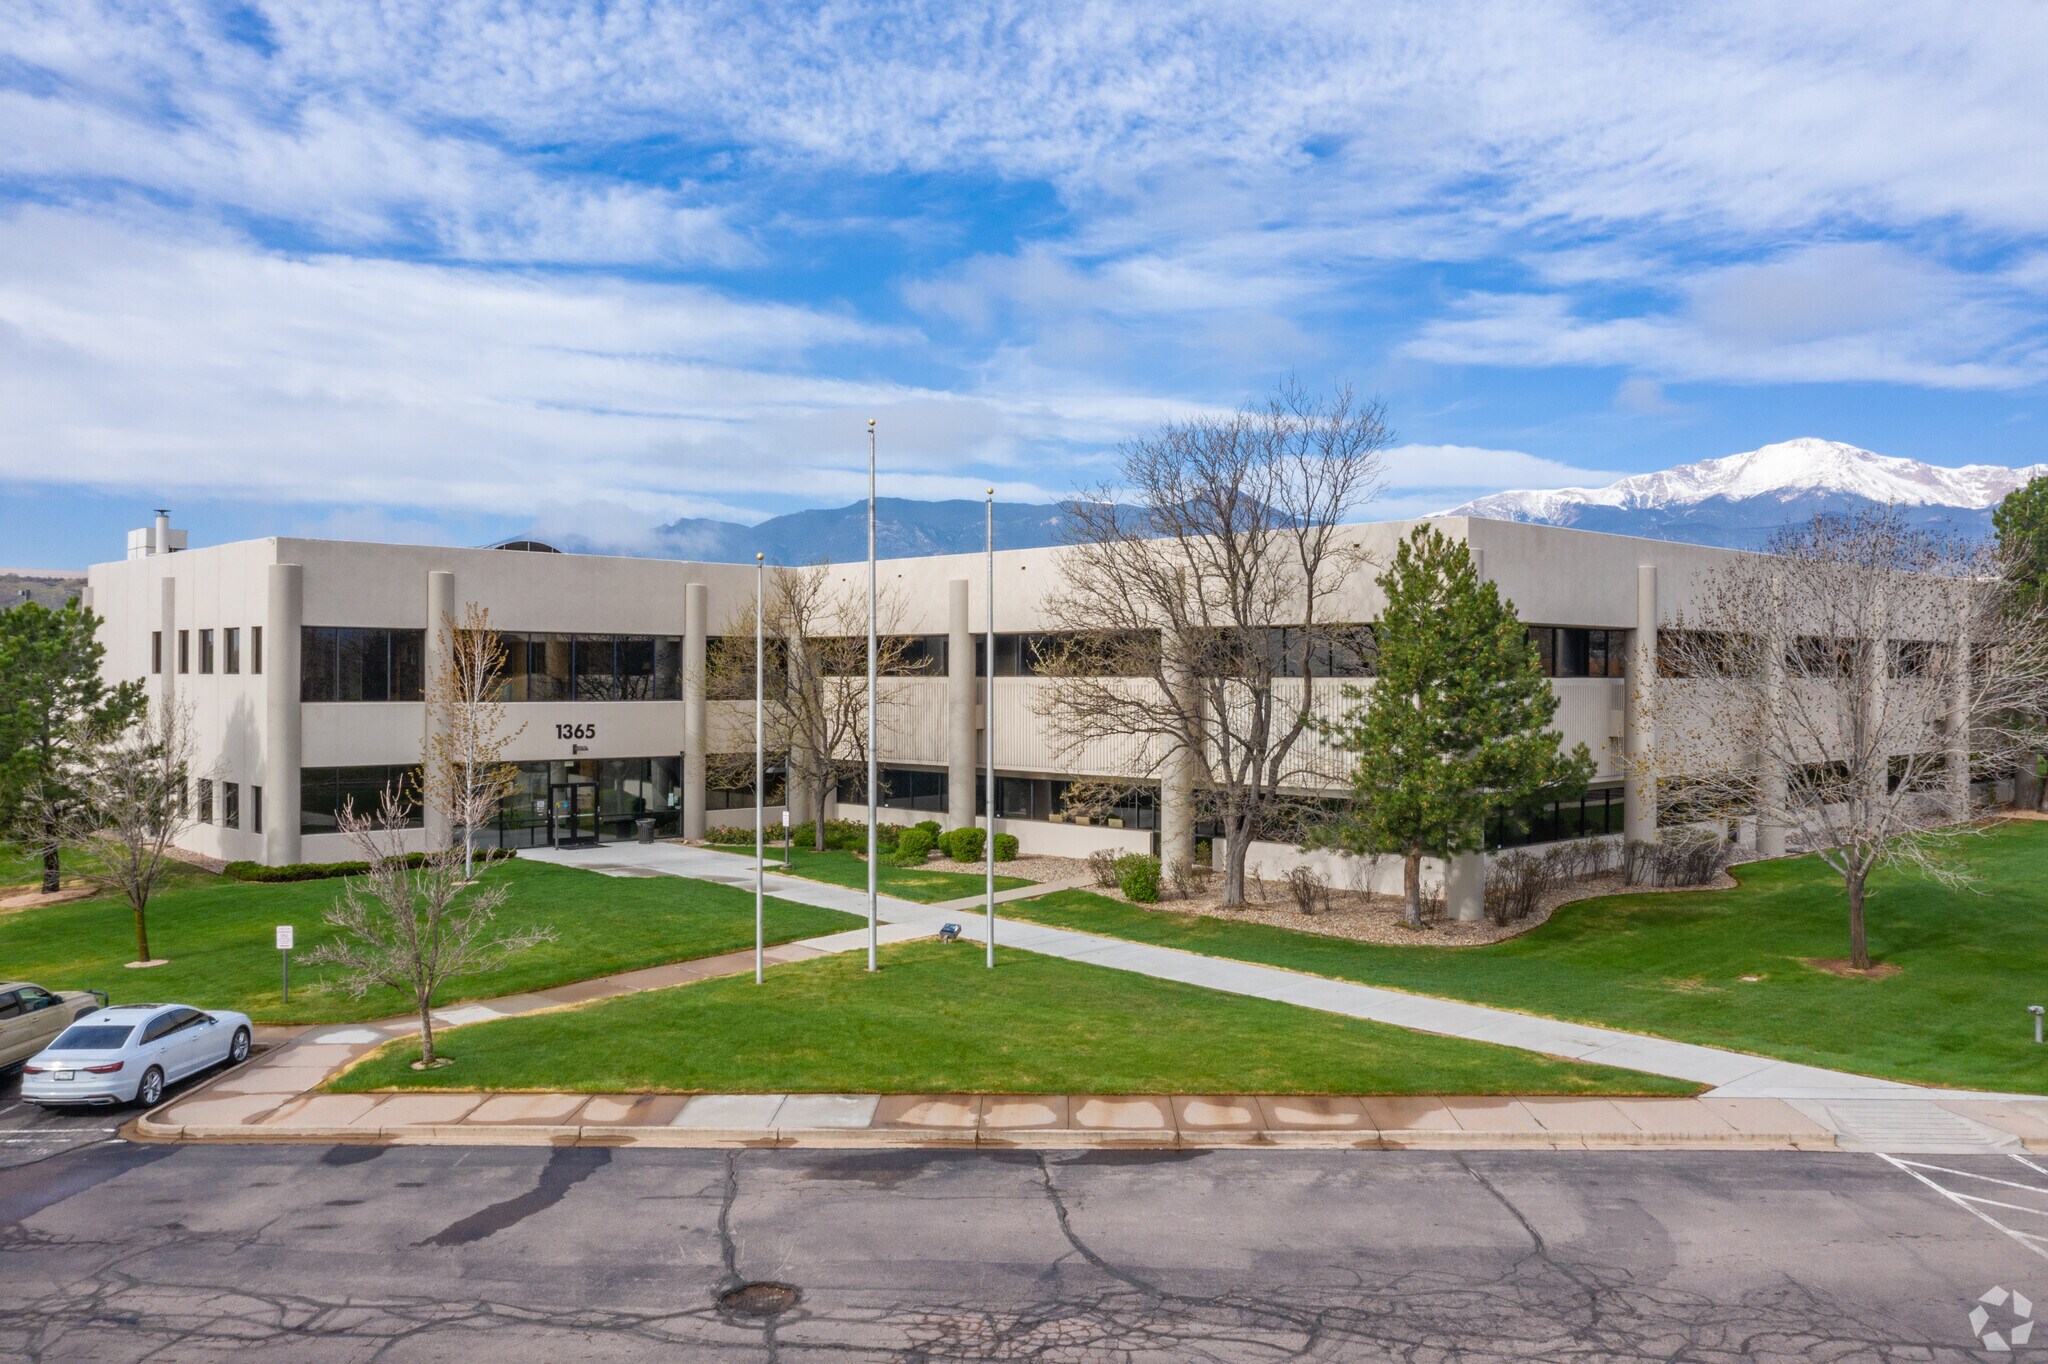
91,1037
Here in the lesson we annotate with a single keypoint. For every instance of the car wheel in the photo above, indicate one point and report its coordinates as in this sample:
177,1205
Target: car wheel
238,1050
151,1090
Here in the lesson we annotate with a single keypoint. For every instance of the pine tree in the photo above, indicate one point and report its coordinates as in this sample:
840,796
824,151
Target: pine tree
2021,521
50,690
1455,725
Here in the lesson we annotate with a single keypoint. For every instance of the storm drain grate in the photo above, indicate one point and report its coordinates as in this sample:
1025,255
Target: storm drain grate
759,1299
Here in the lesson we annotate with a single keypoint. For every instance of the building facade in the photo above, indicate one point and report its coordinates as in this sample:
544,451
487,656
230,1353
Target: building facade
305,663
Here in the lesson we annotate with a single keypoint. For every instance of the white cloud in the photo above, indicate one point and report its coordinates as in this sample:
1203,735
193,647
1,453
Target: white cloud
1847,313
1465,466
127,361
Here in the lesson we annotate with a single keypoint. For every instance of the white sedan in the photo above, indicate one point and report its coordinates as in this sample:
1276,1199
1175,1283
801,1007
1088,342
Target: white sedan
129,1052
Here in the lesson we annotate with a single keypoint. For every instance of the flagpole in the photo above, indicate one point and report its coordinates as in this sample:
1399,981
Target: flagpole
988,728
760,770
874,852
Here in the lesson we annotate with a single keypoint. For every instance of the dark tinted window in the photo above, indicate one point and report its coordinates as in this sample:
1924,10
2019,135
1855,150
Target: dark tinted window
163,1025
92,1037
10,1005
595,679
319,668
365,665
635,666
408,664
347,663
324,790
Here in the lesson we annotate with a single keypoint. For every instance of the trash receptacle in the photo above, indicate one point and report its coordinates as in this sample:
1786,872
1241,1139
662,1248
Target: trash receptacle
646,829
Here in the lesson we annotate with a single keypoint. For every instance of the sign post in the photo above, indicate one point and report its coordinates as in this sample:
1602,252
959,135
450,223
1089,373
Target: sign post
788,846
284,952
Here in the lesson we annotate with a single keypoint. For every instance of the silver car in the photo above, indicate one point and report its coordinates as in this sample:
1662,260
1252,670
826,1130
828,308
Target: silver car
129,1052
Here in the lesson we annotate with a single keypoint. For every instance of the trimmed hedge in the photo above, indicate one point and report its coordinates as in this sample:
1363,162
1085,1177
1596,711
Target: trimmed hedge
846,835
964,845
915,843
932,826
1137,876
1006,847
324,871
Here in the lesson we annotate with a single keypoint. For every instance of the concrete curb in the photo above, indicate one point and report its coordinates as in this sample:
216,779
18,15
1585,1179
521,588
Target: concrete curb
144,1129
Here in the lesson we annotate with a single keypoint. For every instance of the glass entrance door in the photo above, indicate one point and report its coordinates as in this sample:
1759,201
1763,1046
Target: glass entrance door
572,814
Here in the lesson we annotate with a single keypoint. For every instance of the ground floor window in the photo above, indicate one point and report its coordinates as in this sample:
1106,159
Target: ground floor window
906,788
1597,812
324,792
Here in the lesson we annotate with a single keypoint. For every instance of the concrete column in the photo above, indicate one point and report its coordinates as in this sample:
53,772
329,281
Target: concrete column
167,626
1960,683
283,741
1177,776
440,610
697,607
961,733
1872,739
1771,778
1639,810
1465,887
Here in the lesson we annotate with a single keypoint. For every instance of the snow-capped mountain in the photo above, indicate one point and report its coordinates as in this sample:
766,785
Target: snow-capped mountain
1740,500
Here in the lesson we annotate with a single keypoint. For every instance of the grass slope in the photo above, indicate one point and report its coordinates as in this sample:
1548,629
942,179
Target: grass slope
935,1020
927,886
217,934
1672,964
18,869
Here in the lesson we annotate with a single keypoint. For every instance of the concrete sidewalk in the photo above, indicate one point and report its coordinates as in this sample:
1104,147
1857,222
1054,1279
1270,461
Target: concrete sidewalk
234,1112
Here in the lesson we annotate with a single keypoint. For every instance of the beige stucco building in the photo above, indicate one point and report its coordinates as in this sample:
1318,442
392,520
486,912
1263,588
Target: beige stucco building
304,662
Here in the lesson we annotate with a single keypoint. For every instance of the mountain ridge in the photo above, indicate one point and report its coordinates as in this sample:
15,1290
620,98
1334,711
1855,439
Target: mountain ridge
1739,500
1735,501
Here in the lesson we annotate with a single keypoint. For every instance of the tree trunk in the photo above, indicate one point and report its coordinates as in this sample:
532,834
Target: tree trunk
2040,786
818,816
1411,890
1859,950
426,1034
51,866
141,930
1233,863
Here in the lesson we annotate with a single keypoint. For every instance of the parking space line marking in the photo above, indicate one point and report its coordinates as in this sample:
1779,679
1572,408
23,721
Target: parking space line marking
2019,1237
1971,1174
1994,1203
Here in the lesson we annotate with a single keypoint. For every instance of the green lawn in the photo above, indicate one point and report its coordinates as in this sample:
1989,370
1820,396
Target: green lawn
218,936
17,868
934,1020
1673,964
837,867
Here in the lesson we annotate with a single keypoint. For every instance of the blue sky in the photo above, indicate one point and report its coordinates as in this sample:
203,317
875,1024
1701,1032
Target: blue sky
451,270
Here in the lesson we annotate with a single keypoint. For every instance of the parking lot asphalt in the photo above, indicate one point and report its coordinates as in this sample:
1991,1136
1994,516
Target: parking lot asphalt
280,1252
29,1133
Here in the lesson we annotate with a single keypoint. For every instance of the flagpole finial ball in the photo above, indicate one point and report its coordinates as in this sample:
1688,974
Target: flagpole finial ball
759,557
871,422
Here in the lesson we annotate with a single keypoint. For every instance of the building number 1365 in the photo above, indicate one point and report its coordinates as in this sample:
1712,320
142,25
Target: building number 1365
575,731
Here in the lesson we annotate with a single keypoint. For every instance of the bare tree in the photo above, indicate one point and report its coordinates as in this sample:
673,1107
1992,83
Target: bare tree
815,684
1195,604
1841,690
465,777
127,805
412,927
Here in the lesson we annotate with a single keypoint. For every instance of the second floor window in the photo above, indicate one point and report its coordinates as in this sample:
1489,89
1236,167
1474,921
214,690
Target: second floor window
231,650
206,651
346,663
